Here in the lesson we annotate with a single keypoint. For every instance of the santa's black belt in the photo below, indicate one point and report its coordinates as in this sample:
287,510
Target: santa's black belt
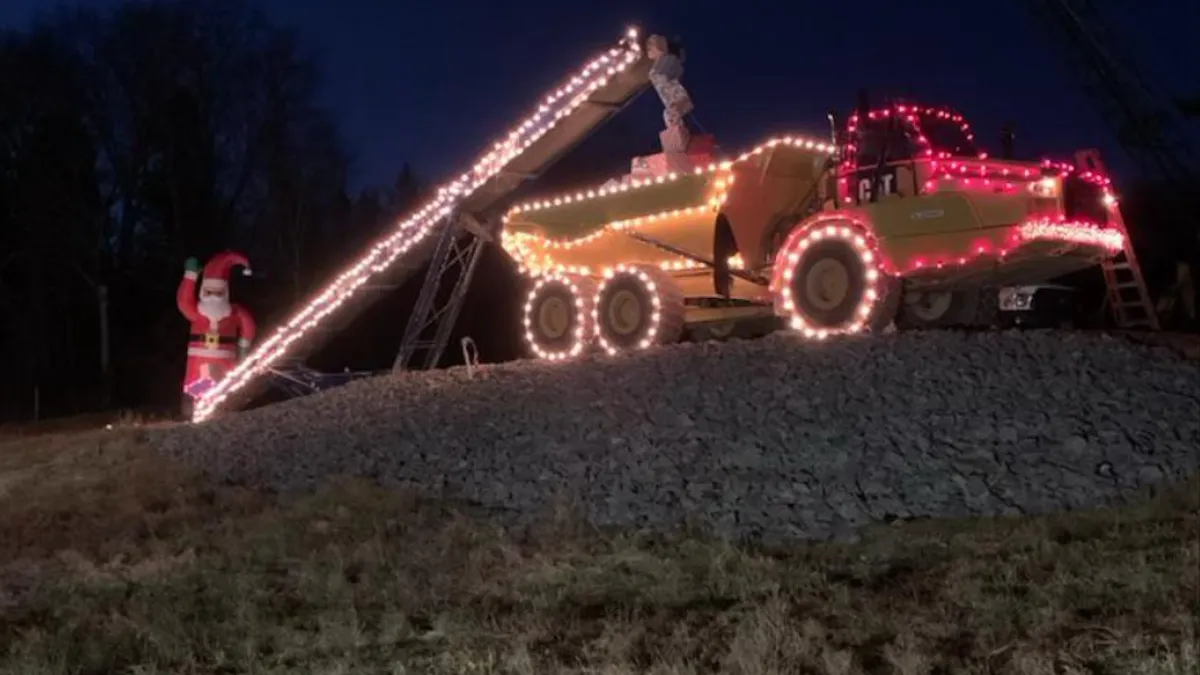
223,340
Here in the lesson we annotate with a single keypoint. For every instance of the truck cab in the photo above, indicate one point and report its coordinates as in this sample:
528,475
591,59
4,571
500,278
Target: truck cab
918,175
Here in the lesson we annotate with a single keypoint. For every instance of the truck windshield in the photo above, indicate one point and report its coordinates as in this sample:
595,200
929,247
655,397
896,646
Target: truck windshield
947,136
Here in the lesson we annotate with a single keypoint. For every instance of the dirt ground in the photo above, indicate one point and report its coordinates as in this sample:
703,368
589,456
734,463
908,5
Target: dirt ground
114,561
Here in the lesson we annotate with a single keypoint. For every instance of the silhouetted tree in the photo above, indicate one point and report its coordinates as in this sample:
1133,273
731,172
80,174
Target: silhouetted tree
1190,106
51,218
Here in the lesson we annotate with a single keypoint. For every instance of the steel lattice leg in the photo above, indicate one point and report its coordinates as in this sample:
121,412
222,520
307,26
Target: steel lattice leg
449,255
448,315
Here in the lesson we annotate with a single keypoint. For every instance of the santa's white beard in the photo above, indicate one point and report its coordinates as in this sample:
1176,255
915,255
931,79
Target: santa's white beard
214,308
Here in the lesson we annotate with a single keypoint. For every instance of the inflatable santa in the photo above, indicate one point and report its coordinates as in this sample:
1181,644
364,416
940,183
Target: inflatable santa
221,331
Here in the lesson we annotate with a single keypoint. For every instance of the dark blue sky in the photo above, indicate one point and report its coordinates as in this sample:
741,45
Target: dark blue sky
434,82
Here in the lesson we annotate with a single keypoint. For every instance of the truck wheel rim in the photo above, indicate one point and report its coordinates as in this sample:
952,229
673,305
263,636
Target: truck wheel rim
554,318
931,306
827,284
624,312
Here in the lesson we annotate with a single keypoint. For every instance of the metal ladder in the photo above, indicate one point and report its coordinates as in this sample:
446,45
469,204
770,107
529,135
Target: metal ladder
1123,281
1127,295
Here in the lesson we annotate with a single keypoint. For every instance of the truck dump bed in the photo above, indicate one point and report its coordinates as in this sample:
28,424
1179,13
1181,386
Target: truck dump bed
586,231
583,232
775,183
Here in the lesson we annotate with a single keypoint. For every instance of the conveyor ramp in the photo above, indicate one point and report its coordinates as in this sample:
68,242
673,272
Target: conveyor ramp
582,103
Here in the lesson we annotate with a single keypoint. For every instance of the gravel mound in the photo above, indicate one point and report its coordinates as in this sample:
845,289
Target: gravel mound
771,438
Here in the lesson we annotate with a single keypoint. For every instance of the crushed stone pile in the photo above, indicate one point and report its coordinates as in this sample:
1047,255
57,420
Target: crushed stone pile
770,438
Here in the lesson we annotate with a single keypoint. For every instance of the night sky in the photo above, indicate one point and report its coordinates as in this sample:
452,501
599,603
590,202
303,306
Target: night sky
432,83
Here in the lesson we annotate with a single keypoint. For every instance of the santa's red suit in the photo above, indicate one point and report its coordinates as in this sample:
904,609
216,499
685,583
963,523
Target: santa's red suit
221,331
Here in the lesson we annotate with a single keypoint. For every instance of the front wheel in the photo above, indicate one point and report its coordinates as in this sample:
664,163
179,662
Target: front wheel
830,281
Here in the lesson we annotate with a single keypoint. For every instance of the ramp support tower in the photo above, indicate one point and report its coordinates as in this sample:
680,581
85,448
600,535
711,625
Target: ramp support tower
460,245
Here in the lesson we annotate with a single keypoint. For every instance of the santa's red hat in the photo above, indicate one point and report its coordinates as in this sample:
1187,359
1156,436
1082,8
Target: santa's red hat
220,268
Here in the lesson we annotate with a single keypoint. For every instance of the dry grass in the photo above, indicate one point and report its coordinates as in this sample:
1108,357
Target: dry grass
112,561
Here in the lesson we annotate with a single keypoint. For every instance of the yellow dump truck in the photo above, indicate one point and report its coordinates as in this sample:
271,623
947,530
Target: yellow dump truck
901,222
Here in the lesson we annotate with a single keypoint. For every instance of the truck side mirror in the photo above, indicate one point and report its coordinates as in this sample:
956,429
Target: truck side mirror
864,105
1007,139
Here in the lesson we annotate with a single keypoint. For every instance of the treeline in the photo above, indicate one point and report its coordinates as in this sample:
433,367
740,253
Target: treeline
131,139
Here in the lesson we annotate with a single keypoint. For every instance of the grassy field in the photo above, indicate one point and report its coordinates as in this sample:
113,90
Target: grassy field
114,561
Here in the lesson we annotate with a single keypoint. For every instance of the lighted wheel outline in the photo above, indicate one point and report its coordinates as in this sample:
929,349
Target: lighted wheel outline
558,317
850,254
658,307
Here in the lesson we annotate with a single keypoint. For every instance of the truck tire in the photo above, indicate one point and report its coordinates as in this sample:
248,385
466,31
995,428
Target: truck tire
637,306
938,309
829,281
741,329
960,308
558,317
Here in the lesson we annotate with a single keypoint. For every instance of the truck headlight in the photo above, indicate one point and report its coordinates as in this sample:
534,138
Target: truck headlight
1046,188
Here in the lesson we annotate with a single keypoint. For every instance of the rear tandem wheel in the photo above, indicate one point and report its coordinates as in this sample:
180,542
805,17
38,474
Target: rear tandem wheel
558,316
638,306
976,307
